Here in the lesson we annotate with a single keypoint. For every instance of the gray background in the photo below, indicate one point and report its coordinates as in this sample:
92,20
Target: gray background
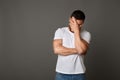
27,29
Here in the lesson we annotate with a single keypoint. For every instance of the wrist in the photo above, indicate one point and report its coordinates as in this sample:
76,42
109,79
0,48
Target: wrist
77,31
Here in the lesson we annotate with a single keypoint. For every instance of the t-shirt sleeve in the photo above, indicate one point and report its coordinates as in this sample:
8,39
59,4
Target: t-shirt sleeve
58,34
87,37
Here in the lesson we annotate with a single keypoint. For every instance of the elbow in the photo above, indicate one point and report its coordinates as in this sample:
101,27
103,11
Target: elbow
81,51
55,51
84,52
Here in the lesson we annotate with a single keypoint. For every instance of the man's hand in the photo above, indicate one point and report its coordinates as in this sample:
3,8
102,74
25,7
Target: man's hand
75,26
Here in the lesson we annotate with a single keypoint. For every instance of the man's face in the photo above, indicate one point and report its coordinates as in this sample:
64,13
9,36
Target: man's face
79,22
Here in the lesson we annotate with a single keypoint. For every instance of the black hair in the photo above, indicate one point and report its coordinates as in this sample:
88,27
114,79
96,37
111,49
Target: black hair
78,14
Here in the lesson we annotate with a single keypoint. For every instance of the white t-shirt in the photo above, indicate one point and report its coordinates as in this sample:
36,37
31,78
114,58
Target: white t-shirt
71,64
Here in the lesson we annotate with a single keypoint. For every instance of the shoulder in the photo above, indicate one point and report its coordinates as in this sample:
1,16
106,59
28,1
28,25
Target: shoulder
61,29
86,35
85,32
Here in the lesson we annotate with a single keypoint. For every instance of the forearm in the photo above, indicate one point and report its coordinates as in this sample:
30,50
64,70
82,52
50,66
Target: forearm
79,43
61,50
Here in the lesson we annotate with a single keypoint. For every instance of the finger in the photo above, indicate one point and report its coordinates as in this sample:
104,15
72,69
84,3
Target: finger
71,24
74,20
71,21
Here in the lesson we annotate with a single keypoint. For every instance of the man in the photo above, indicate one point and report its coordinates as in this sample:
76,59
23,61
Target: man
71,44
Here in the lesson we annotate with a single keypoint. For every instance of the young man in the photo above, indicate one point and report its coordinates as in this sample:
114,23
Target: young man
71,44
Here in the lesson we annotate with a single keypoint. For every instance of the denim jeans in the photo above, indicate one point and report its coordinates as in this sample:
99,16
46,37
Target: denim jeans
60,76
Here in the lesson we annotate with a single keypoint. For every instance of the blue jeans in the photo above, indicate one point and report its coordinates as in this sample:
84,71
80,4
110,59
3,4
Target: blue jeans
60,76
